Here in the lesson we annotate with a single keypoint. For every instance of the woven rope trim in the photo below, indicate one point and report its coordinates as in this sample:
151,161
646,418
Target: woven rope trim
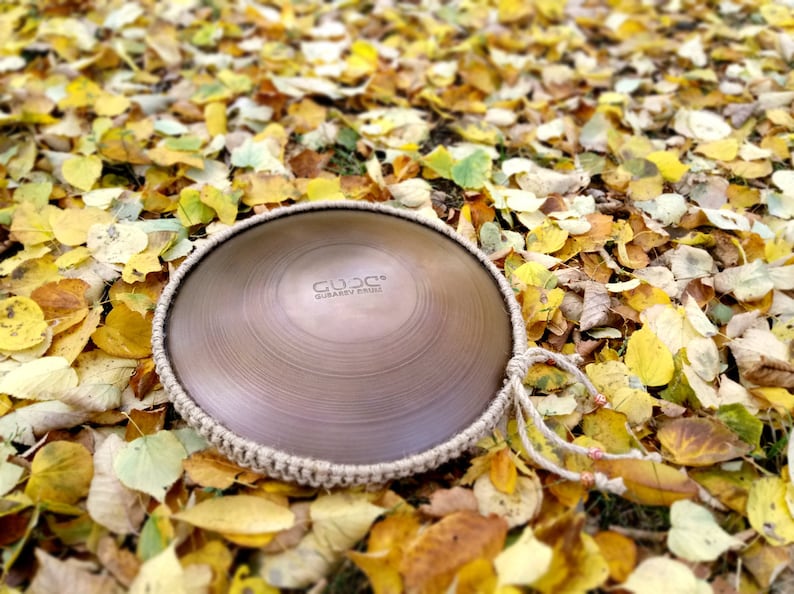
312,471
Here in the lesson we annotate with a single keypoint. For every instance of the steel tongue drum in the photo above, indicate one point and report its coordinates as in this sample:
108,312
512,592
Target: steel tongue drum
338,343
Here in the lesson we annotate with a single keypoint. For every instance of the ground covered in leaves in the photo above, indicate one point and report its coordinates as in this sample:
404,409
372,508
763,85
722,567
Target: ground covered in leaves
626,163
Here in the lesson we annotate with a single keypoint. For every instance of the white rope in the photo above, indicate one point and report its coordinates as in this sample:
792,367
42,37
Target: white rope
523,405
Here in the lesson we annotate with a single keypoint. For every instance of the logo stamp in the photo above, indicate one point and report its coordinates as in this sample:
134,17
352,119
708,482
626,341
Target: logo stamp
344,287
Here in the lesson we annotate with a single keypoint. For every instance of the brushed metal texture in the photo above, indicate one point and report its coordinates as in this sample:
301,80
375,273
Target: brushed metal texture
350,336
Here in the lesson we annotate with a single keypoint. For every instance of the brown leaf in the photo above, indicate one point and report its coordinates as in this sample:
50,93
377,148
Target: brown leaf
595,308
693,441
771,372
144,378
55,575
145,422
121,563
444,502
649,483
309,163
63,303
210,468
439,552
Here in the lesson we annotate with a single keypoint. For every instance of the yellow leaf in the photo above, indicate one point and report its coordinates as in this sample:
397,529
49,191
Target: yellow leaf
768,511
381,571
61,472
139,265
71,343
546,239
535,275
649,483
669,165
71,225
238,514
82,172
31,225
322,188
620,553
262,188
719,150
694,441
223,203
22,324
363,59
72,257
215,118
777,15
475,577
648,358
513,10
125,334
512,566
612,378
503,471
111,105
244,583
81,92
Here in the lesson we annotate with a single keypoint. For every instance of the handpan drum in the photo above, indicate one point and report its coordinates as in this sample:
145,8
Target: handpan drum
338,343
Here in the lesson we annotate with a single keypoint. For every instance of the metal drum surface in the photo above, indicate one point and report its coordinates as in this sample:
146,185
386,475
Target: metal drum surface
348,335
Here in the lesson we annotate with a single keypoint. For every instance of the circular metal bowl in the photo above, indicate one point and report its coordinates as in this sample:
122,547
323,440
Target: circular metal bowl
338,342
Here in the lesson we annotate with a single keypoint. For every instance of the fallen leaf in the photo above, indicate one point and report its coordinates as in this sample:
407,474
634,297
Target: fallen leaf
648,482
660,574
54,573
648,358
695,536
125,333
22,324
447,501
619,551
82,172
40,379
523,562
238,514
694,441
768,511
151,463
464,536
516,508
163,574
61,472
109,502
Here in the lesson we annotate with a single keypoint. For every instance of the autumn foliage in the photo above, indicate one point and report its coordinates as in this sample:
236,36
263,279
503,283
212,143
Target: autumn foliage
626,164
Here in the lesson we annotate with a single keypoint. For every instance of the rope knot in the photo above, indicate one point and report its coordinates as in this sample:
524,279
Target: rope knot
518,366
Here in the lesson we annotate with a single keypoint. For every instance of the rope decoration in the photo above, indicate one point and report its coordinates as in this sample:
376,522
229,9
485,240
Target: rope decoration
323,473
517,369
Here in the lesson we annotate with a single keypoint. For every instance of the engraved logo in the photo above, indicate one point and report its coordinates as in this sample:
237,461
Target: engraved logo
344,287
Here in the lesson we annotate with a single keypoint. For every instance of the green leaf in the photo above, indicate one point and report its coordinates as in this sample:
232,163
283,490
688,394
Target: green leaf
473,171
223,203
192,211
742,423
151,463
440,161
347,138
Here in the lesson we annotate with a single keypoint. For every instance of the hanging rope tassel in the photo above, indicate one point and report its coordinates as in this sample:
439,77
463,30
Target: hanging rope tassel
526,411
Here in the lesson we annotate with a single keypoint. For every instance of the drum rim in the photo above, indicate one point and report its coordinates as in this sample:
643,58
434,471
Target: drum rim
279,464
